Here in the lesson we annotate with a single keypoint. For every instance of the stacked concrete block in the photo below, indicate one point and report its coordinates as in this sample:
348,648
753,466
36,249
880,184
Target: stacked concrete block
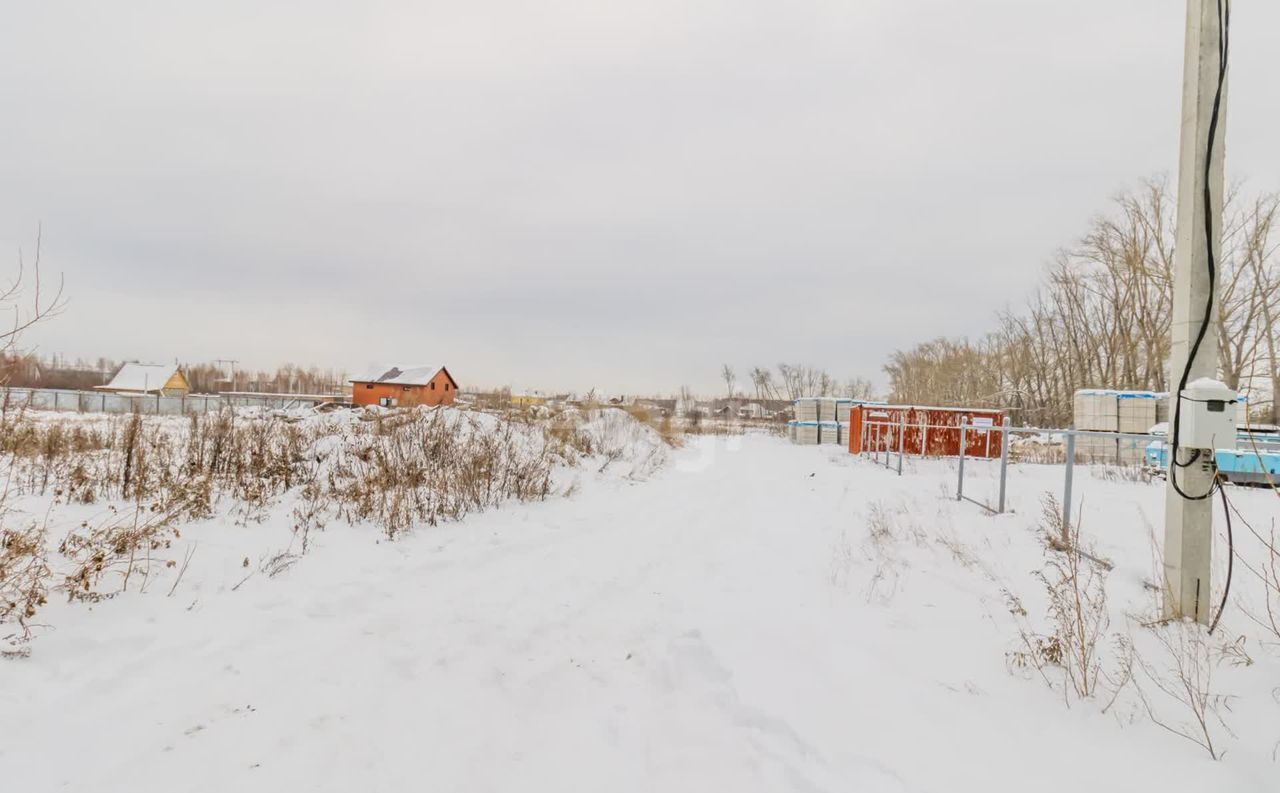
1121,412
808,409
1162,408
822,420
1110,451
826,409
807,433
1138,411
1095,449
843,408
1097,409
1131,451
813,433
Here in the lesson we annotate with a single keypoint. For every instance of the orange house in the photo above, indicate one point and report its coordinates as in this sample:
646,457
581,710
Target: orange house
405,386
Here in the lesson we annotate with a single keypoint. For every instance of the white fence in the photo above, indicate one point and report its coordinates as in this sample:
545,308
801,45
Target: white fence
152,404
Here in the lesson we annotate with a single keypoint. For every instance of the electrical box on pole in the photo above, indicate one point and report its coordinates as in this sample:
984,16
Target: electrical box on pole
1194,351
1208,416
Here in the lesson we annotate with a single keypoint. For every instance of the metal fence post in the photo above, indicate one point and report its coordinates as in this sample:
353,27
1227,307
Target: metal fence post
902,440
1066,486
1004,461
960,478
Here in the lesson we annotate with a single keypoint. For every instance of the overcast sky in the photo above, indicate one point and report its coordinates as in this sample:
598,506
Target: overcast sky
586,192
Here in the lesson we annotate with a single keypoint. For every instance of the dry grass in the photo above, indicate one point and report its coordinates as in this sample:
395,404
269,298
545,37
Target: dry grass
437,465
392,470
661,423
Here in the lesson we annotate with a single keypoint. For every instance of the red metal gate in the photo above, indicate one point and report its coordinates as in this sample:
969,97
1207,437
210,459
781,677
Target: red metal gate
924,431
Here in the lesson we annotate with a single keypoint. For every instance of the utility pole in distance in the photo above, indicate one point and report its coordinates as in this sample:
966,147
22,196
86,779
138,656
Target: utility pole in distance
1188,531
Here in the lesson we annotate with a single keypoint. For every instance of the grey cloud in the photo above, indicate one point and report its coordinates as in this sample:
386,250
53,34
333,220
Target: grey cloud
580,193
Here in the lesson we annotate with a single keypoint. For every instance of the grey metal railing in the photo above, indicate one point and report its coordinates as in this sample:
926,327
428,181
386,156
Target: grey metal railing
894,434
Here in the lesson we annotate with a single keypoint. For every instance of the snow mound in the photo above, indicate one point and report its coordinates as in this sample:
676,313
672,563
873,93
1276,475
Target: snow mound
619,440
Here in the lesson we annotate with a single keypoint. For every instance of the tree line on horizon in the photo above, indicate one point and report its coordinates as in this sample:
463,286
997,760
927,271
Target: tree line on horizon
791,382
1100,317
28,370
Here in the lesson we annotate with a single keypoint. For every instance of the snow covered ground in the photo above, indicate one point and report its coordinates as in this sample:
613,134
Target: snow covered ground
727,624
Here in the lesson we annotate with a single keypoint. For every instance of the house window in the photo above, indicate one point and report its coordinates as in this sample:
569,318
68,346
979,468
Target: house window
369,386
405,388
446,386
433,386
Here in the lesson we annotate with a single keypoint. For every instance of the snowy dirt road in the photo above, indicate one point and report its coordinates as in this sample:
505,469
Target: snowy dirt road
717,628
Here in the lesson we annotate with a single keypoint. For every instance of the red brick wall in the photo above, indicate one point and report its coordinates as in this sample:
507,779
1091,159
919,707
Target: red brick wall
439,391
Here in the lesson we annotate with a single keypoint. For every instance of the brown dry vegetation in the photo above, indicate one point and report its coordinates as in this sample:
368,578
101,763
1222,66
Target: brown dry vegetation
389,470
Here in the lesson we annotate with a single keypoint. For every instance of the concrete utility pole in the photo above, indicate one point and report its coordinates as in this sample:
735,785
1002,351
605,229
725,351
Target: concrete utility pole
1188,531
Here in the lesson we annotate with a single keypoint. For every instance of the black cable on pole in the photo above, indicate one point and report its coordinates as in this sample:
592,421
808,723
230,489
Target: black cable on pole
1231,559
1224,41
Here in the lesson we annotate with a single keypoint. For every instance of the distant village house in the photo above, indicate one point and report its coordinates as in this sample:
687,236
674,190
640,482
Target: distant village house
404,386
528,399
148,378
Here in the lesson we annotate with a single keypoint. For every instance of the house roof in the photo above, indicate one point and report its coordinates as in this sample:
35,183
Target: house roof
403,374
144,377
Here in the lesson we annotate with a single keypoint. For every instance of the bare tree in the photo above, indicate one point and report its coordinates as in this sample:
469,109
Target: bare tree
858,388
730,378
762,379
26,301
1101,317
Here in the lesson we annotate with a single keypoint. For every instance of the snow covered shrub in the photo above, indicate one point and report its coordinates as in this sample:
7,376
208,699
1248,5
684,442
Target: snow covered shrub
143,459
615,436
310,511
120,546
660,424
1077,590
1074,581
1178,677
24,575
567,437
432,465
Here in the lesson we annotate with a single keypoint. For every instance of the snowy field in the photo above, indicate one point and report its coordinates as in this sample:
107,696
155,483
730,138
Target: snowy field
751,616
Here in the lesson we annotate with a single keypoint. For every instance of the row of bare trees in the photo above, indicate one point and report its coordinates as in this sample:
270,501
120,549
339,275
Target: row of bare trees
26,370
212,378
793,381
1101,317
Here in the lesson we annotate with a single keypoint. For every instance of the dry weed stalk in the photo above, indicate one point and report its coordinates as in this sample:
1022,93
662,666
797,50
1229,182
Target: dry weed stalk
1075,582
1267,570
886,528
1077,590
24,575
112,547
1183,678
